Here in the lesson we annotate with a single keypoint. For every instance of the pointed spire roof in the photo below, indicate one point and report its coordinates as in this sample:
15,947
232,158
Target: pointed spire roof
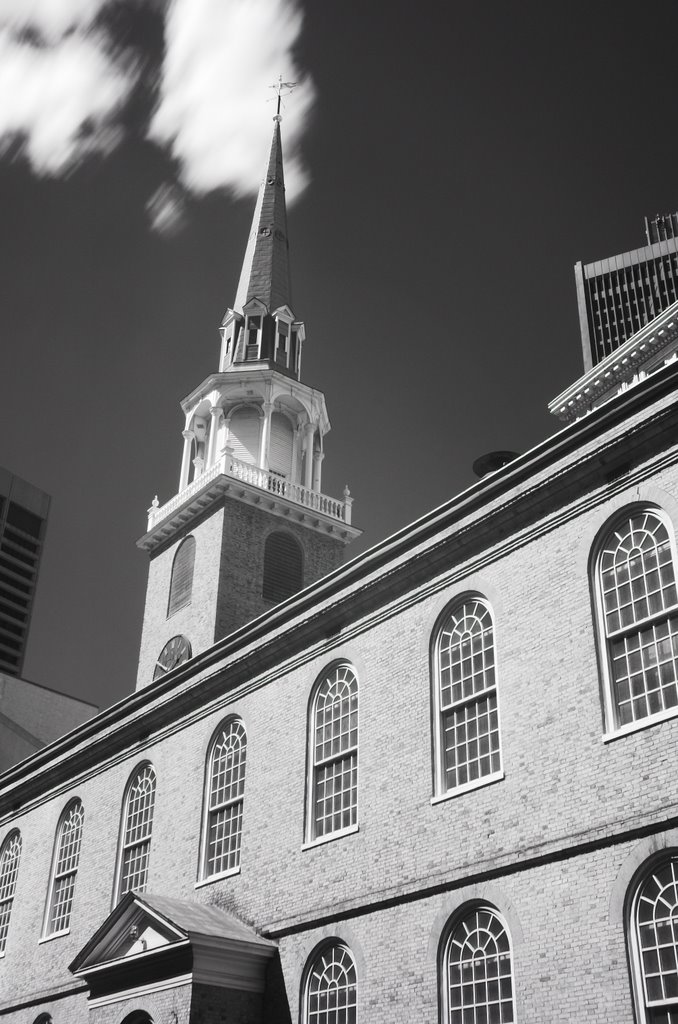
265,272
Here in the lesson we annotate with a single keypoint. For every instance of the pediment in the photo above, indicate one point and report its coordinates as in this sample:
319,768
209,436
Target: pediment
255,305
151,940
132,928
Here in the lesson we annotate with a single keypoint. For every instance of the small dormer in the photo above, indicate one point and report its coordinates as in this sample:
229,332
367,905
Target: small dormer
231,332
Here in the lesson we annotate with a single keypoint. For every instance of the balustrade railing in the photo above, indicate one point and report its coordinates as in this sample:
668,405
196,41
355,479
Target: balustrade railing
264,480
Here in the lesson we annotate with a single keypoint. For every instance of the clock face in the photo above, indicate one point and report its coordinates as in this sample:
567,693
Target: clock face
175,652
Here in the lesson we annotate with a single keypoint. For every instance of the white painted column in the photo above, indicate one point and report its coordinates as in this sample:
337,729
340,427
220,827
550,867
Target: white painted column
317,467
215,412
309,431
265,435
185,459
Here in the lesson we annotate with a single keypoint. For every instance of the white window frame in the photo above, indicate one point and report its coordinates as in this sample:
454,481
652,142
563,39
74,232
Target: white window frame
8,892
644,1005
459,918
315,765
123,844
440,790
612,726
58,872
209,811
312,970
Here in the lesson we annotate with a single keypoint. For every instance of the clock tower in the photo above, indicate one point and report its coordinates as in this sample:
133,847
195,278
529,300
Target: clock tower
249,525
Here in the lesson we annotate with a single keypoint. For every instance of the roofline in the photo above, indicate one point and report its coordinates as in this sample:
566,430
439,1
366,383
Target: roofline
444,516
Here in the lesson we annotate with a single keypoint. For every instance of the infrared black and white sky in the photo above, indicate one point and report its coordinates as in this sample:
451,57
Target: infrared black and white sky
450,163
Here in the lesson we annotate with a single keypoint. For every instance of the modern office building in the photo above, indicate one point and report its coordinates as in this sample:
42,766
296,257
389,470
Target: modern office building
620,295
23,520
436,784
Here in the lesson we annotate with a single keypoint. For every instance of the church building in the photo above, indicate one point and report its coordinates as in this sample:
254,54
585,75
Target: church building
434,784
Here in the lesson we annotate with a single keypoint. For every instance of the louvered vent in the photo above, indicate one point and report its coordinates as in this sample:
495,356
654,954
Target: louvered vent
283,567
181,586
244,434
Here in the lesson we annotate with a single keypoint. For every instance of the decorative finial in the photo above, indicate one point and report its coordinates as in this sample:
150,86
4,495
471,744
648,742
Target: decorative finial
279,86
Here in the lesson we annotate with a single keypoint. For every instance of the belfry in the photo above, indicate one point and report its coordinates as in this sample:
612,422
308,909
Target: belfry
249,525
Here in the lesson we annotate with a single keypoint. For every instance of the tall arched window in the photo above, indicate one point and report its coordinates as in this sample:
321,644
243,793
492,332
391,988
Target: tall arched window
65,862
283,566
181,582
10,855
334,754
224,794
331,987
476,976
638,606
467,733
653,936
136,830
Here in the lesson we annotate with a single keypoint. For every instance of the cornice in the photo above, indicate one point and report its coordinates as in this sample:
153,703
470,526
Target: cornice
519,497
622,367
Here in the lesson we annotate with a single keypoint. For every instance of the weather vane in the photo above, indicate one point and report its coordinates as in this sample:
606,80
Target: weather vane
279,86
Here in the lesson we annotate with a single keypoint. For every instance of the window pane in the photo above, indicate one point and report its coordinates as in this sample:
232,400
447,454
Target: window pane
331,989
478,952
226,791
335,753
137,835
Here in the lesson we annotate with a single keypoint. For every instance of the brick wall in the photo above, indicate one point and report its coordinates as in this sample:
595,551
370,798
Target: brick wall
547,844
227,580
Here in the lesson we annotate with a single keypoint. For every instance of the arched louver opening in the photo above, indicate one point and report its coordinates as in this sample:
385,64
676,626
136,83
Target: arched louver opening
281,446
283,567
181,583
244,434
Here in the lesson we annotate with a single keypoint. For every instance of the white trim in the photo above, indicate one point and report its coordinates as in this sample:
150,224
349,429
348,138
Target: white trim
331,836
485,780
217,878
54,935
641,723
142,990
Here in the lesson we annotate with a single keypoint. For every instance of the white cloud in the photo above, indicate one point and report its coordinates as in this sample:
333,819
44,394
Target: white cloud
52,18
60,99
221,58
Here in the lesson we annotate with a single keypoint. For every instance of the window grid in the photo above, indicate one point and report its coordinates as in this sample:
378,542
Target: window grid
9,870
332,984
67,857
467,693
335,753
478,971
136,846
657,937
640,616
226,795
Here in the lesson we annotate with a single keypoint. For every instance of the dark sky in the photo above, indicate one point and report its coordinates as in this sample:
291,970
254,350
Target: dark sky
463,157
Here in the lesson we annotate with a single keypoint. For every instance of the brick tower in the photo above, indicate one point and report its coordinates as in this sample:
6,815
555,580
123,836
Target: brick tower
249,525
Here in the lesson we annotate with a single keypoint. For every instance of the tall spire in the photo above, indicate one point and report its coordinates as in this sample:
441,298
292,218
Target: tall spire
265,272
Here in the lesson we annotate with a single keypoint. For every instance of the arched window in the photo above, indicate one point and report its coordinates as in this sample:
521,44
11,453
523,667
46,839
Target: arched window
64,869
10,854
43,1018
638,614
224,793
467,733
334,754
331,985
138,1017
136,830
181,582
283,566
476,976
653,936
